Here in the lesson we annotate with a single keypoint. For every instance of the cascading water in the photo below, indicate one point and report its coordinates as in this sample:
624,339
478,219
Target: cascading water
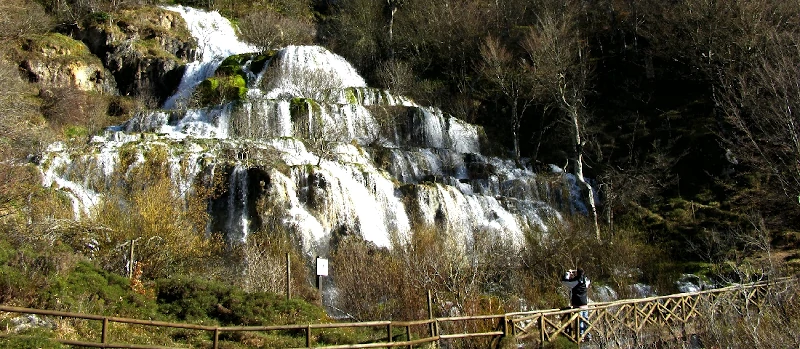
310,132
238,221
216,40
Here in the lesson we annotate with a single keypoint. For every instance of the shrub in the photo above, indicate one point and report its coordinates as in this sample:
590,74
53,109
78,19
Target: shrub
89,289
369,281
72,112
397,76
167,227
201,300
270,30
220,89
20,17
27,266
34,338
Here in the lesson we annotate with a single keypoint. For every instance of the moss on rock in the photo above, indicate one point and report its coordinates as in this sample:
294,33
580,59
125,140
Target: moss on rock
57,47
218,89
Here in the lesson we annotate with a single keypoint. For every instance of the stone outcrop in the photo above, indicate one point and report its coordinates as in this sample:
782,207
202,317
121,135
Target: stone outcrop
57,61
145,49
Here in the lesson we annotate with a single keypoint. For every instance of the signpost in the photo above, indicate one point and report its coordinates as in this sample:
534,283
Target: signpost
322,270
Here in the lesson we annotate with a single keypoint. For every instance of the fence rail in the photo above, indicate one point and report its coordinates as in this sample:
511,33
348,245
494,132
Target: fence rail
605,320
634,316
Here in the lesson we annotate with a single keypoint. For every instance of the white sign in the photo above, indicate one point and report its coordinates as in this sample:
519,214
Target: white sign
322,267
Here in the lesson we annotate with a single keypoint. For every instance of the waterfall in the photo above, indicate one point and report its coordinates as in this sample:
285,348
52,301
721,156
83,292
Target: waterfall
237,225
216,40
60,173
377,177
311,72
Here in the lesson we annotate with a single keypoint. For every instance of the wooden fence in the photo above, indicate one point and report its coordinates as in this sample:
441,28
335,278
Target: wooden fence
633,318
605,320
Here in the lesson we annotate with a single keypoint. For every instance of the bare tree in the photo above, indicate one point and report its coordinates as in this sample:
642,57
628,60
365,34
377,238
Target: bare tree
355,30
269,30
391,9
22,135
397,76
762,107
306,87
512,80
758,96
315,83
559,69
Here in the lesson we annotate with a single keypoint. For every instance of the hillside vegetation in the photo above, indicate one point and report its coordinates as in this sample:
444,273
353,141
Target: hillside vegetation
681,114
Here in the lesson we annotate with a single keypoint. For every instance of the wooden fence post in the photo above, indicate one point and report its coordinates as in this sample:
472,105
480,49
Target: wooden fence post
408,336
288,277
542,333
130,262
636,324
432,325
216,337
104,333
308,336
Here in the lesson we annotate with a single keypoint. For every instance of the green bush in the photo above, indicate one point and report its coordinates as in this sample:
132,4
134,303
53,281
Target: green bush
13,283
189,299
34,338
200,300
92,290
233,64
98,18
23,270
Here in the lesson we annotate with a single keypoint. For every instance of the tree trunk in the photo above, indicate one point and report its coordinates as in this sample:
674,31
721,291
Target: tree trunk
515,132
578,168
392,11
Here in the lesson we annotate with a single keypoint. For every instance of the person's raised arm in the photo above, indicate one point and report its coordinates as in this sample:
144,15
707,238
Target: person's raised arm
570,279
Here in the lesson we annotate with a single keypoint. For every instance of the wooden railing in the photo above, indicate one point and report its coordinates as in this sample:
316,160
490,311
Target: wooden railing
426,331
606,320
633,318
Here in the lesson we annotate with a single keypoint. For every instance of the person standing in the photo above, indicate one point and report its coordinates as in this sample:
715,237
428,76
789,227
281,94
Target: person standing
578,284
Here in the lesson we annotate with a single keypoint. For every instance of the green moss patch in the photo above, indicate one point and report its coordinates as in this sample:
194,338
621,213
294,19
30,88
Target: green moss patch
57,47
233,64
219,89
147,22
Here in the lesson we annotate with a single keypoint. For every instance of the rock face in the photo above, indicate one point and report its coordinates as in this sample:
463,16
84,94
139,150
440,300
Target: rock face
146,50
58,61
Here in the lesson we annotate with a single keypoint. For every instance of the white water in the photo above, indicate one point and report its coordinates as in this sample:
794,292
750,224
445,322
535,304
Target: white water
216,40
238,223
311,72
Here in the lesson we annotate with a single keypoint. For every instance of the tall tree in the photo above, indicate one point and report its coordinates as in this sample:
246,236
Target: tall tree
508,74
391,9
355,30
559,69
761,105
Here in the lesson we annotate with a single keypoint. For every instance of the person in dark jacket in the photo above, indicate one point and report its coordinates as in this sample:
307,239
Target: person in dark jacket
578,284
